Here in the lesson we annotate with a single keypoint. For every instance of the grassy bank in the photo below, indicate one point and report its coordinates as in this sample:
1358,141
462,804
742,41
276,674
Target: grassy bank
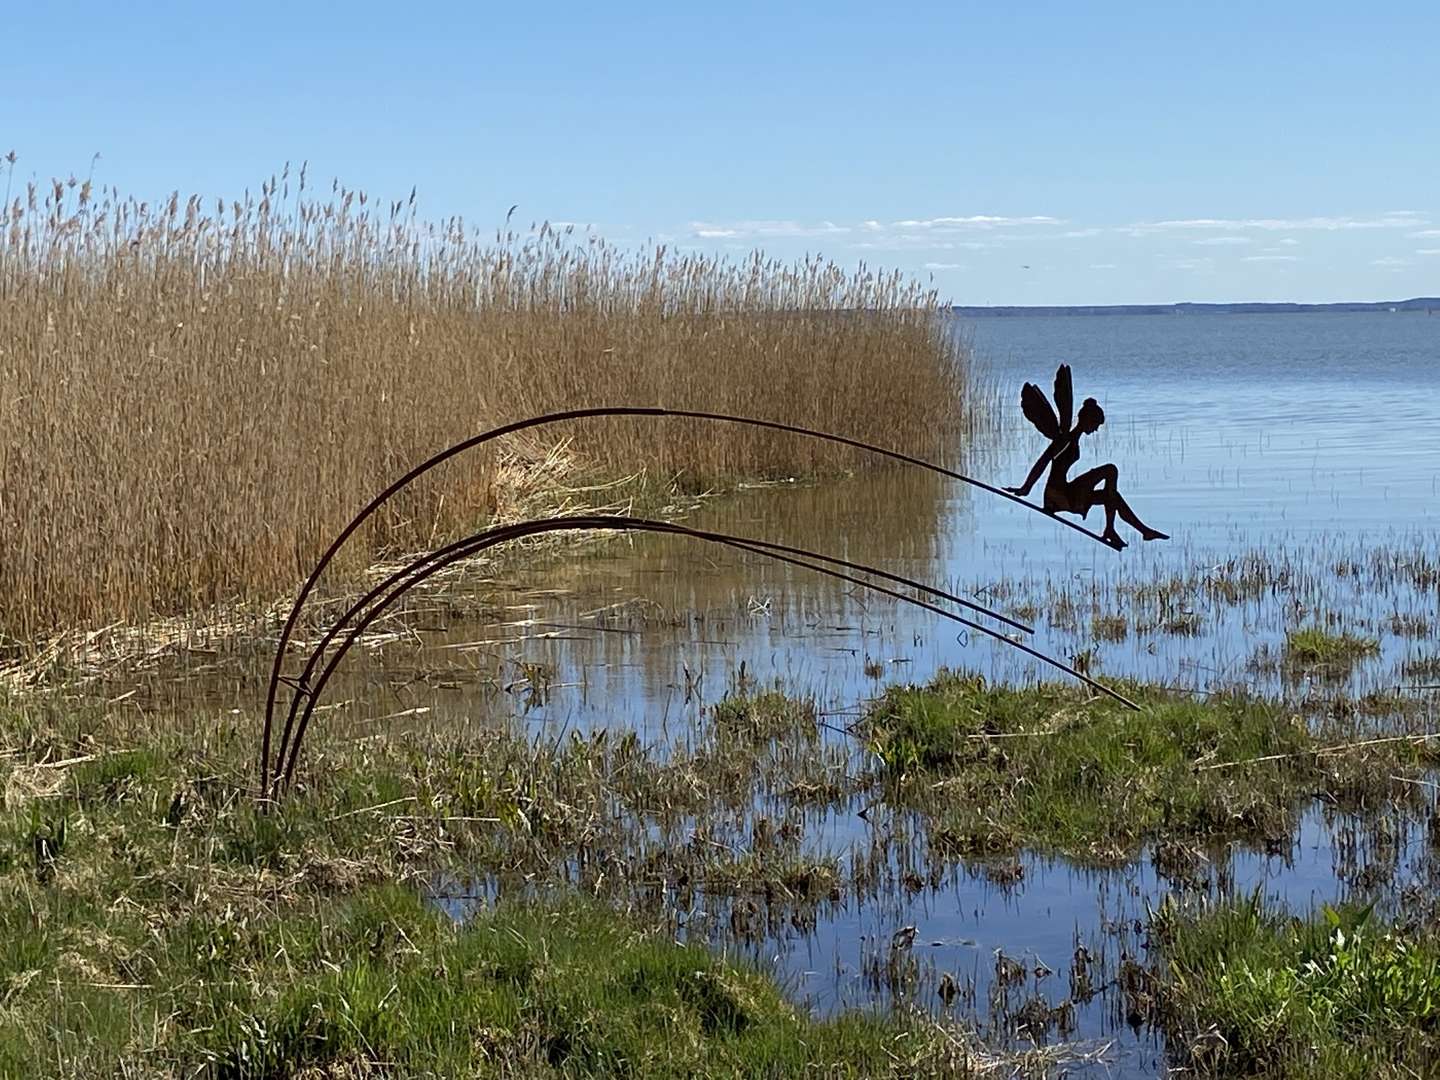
1247,991
377,983
153,923
1052,769
198,393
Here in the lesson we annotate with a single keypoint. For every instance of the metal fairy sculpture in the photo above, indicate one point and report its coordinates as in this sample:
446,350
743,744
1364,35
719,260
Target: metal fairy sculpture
1098,486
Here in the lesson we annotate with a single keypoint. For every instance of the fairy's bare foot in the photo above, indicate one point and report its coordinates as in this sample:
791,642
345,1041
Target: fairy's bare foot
1153,534
1113,539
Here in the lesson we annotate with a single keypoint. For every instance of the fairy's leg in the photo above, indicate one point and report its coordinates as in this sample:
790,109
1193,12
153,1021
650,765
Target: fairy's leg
1128,516
1096,487
1102,483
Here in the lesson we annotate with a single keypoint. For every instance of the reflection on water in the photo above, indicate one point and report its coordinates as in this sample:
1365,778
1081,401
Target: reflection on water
1282,453
1293,458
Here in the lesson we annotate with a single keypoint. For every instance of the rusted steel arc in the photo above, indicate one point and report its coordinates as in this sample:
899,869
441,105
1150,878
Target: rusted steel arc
760,546
556,418
769,547
491,537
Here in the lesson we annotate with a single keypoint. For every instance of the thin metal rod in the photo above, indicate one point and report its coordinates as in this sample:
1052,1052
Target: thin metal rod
555,418
316,653
490,537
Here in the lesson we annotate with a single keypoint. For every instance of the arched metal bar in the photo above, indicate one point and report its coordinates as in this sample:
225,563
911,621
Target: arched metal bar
490,537
555,418
783,550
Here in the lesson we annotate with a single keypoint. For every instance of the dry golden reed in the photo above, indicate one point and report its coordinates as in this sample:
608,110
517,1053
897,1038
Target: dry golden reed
196,395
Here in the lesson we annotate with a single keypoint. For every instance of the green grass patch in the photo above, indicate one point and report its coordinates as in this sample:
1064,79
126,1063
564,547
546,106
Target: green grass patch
762,716
377,983
1250,992
154,923
1053,769
1314,646
566,990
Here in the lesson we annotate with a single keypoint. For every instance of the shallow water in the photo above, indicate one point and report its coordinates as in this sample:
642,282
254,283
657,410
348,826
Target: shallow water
1293,458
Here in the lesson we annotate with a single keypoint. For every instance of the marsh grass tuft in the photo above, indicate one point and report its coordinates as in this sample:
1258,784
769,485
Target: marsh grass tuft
998,769
1333,652
1250,991
1421,667
1110,627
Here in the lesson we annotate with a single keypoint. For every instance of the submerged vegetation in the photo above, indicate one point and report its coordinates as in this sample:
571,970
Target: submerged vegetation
198,394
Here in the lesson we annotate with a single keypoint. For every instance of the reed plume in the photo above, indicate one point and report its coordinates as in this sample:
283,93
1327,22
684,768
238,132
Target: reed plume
196,395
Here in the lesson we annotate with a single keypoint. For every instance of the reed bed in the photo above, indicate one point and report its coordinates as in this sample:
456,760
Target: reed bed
195,395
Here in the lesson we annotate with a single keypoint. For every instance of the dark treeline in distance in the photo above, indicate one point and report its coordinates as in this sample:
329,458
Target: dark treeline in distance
1426,304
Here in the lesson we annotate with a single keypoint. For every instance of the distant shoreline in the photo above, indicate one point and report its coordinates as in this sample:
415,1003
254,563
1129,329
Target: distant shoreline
1426,304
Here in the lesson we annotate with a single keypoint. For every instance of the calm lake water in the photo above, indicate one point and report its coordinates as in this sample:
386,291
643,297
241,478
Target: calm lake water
1294,459
1250,428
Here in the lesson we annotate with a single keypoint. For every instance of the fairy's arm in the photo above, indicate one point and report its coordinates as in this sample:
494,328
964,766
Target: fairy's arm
1038,468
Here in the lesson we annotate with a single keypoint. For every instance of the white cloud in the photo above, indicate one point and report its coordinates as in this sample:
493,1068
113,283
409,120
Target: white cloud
1289,241
762,230
1271,258
975,221
1223,241
1401,219
924,243
1079,234
1103,266
907,232
1390,262
944,266
1427,251
1424,234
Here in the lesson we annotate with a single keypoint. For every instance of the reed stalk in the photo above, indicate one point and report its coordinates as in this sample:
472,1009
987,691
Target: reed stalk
196,395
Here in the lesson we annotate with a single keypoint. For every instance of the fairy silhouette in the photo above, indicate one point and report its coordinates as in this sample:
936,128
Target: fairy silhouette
1098,486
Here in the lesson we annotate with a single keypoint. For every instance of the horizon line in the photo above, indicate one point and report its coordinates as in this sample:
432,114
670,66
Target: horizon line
1413,302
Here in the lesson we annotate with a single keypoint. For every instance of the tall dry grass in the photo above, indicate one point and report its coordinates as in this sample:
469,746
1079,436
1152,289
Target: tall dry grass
195,395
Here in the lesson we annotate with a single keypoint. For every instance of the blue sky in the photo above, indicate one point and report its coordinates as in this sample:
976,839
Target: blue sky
1037,153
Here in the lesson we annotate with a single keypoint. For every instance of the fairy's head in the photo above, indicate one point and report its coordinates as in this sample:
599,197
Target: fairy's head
1091,416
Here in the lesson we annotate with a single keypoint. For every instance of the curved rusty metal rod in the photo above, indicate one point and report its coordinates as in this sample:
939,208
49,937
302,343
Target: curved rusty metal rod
491,537
781,552
554,418
317,652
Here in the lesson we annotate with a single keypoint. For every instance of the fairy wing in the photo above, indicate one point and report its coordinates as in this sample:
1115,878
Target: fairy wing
1038,411
1064,396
